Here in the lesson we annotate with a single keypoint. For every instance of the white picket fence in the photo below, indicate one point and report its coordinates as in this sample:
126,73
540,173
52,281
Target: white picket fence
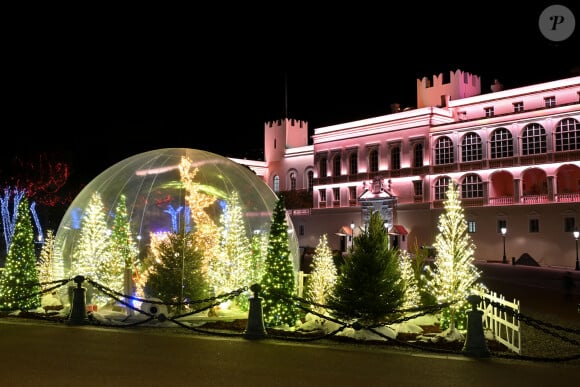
504,326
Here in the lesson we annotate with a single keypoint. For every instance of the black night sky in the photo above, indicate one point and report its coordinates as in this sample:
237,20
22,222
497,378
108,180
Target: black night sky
95,97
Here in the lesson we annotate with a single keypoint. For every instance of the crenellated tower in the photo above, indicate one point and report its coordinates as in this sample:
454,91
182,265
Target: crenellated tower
438,90
283,134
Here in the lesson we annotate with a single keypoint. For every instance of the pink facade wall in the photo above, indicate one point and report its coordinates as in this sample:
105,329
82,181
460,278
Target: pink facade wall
511,177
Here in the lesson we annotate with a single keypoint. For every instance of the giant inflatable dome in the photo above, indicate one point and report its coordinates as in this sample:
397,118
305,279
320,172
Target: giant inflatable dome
163,190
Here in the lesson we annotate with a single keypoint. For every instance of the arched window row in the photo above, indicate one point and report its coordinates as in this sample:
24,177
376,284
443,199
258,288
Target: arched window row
470,186
533,140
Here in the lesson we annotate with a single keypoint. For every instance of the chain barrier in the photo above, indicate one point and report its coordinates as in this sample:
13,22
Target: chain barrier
208,303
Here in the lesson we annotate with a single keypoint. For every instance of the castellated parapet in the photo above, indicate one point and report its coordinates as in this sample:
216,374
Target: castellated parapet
283,134
445,87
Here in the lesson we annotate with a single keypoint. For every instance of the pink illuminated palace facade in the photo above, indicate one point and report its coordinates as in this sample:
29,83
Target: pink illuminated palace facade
514,154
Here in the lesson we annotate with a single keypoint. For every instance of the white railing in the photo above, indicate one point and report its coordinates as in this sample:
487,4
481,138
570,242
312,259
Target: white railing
504,325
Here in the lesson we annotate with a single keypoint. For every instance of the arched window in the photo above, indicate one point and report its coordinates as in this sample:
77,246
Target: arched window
310,183
501,144
395,158
276,183
441,185
471,187
567,135
418,155
534,140
444,151
292,181
471,148
353,163
374,160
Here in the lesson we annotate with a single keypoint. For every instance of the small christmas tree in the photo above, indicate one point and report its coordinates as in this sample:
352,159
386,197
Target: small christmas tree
259,251
232,269
278,283
412,296
92,252
19,285
453,274
124,250
322,278
369,286
176,271
421,275
46,264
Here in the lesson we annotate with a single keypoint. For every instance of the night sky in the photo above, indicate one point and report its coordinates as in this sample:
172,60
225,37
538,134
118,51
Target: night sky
128,89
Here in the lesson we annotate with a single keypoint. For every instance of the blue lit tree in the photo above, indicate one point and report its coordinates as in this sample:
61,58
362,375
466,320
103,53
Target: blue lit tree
12,196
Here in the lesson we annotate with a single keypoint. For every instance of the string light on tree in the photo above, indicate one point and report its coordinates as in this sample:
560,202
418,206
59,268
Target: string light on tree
279,273
323,275
453,274
19,285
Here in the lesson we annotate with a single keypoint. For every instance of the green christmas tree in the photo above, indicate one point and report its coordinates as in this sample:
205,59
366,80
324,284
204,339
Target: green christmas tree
19,285
278,283
176,272
259,251
453,274
91,256
124,250
369,287
322,276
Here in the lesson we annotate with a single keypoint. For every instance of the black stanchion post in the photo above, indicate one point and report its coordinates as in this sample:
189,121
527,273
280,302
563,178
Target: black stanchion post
78,314
255,328
475,344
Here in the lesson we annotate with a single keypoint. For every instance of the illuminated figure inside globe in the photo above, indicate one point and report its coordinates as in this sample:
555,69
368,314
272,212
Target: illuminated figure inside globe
176,224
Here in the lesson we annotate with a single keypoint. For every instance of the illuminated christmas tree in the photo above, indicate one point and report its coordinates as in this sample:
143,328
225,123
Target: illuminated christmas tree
259,252
9,219
231,269
453,274
278,283
48,269
369,287
124,250
19,285
176,273
412,296
92,252
323,275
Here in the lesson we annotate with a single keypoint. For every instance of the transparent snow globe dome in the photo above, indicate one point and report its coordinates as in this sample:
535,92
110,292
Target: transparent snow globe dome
154,187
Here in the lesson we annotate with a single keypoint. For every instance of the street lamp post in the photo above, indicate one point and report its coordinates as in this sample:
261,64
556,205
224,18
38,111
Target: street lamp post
576,234
503,232
352,235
